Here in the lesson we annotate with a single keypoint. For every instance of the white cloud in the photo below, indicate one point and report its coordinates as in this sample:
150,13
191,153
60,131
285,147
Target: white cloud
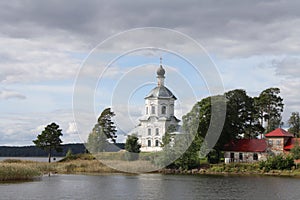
9,94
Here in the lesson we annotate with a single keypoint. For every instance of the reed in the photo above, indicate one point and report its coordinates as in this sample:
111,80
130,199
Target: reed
17,172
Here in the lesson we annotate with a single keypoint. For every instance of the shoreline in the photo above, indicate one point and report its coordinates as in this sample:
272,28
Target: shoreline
13,170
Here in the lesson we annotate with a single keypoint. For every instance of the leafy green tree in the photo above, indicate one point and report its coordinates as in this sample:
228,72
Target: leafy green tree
270,106
97,140
132,147
296,151
242,115
166,139
103,131
49,139
294,122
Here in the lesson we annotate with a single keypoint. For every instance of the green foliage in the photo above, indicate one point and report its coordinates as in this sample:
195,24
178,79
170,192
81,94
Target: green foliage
103,131
97,140
182,153
107,125
132,147
295,151
294,122
49,139
270,106
278,162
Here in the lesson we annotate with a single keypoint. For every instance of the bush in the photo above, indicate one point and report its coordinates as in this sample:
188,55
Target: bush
278,162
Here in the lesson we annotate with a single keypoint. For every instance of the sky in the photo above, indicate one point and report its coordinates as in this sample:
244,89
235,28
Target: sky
64,61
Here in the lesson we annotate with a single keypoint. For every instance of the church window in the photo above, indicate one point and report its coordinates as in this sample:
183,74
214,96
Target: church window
156,143
149,143
157,131
163,110
152,109
149,131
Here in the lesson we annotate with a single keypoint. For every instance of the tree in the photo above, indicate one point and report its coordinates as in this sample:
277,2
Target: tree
296,150
49,139
107,125
132,147
103,131
270,106
294,122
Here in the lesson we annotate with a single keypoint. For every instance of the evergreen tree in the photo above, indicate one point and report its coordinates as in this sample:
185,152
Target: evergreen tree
270,106
107,125
103,132
49,139
294,122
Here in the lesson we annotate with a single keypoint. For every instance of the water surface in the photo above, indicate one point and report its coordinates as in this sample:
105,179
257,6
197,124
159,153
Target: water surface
153,186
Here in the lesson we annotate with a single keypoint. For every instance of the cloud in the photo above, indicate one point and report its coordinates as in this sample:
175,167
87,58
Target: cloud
288,67
9,94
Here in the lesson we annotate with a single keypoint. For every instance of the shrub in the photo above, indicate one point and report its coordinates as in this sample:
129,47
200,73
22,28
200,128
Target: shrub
278,162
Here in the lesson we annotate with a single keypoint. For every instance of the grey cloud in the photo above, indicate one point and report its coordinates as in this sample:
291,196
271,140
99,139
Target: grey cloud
250,26
289,67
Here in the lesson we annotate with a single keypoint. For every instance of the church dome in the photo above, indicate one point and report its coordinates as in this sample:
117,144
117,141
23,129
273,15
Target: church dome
160,71
160,92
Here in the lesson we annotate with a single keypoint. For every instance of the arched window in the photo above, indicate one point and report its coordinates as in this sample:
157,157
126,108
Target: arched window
156,143
163,110
147,110
157,131
149,143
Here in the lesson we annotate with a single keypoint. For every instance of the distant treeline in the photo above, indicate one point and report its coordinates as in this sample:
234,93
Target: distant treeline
33,151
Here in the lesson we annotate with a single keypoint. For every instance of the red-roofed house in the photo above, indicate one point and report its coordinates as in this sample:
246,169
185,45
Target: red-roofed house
278,140
250,150
245,150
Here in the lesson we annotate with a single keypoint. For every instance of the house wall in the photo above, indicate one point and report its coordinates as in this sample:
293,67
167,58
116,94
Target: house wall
246,156
276,144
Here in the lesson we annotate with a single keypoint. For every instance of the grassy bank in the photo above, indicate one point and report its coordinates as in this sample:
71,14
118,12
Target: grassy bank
17,171
236,169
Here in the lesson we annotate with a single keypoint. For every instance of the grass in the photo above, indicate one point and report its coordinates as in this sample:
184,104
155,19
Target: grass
17,171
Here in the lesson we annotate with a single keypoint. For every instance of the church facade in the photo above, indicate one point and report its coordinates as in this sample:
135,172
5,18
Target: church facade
158,115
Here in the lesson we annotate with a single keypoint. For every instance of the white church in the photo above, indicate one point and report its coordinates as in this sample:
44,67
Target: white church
158,115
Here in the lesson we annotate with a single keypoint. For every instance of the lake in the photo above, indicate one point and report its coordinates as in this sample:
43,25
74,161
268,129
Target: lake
38,159
153,186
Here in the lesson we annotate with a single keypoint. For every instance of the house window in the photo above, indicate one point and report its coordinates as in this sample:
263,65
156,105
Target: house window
152,109
149,143
255,156
270,142
157,131
156,143
232,155
278,142
149,131
241,156
146,110
163,110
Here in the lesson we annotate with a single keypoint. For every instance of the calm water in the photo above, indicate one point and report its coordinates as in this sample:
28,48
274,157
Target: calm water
153,186
39,159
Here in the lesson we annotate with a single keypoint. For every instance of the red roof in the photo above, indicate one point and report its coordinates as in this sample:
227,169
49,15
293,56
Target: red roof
279,132
290,143
247,145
